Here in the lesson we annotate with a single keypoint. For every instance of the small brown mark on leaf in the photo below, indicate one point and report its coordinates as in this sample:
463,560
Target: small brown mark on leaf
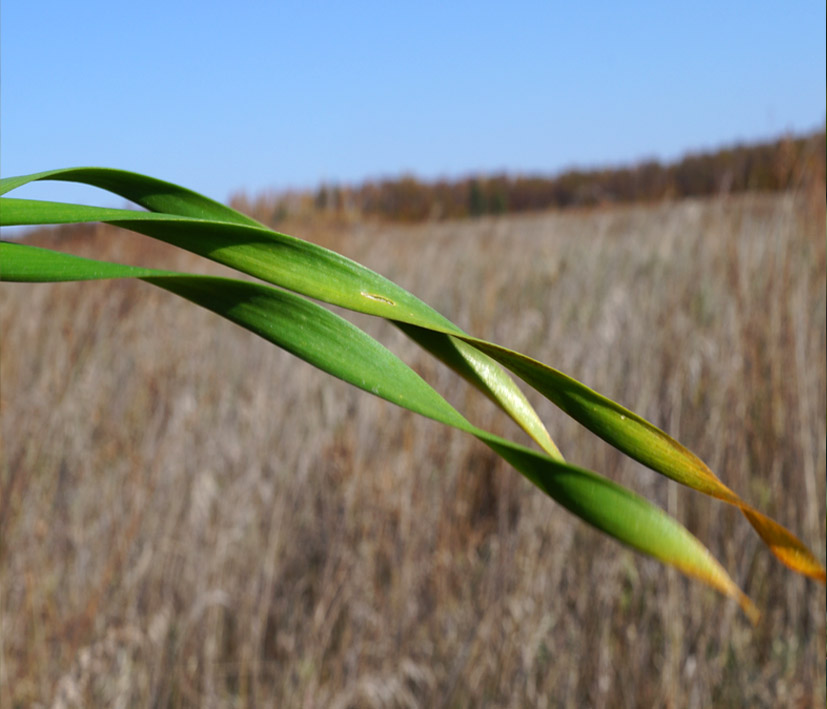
380,298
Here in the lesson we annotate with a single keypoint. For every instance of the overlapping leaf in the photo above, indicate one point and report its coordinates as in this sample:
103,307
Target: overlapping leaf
193,222
296,265
343,350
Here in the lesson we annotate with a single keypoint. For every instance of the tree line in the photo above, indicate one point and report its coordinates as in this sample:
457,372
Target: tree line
787,163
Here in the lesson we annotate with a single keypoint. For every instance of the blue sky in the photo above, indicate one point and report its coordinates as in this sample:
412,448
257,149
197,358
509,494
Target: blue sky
256,95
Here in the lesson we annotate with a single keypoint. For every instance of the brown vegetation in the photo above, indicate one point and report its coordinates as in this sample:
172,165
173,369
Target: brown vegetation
191,517
781,165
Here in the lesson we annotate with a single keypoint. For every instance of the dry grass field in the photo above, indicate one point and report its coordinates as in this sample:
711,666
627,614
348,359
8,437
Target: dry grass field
190,517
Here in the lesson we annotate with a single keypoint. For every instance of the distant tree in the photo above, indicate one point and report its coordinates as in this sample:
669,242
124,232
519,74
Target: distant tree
783,164
322,198
476,199
498,195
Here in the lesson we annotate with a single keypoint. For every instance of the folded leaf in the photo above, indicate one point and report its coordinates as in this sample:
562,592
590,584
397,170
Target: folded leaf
338,347
205,227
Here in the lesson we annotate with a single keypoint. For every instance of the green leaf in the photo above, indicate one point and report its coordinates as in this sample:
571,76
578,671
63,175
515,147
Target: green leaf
647,444
338,347
294,264
195,223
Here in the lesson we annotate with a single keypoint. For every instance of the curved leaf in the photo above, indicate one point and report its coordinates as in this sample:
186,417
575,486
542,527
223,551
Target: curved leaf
220,233
338,347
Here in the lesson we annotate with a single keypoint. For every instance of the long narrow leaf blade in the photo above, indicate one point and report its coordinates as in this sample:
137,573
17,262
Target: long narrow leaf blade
338,347
647,444
148,192
306,268
300,266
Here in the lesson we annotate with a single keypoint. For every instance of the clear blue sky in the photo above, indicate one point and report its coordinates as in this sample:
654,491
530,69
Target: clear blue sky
256,95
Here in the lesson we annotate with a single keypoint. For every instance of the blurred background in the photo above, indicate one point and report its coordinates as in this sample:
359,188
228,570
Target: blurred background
632,194
288,95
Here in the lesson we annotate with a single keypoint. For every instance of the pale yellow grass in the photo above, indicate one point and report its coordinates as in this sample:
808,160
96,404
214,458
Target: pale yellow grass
190,517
